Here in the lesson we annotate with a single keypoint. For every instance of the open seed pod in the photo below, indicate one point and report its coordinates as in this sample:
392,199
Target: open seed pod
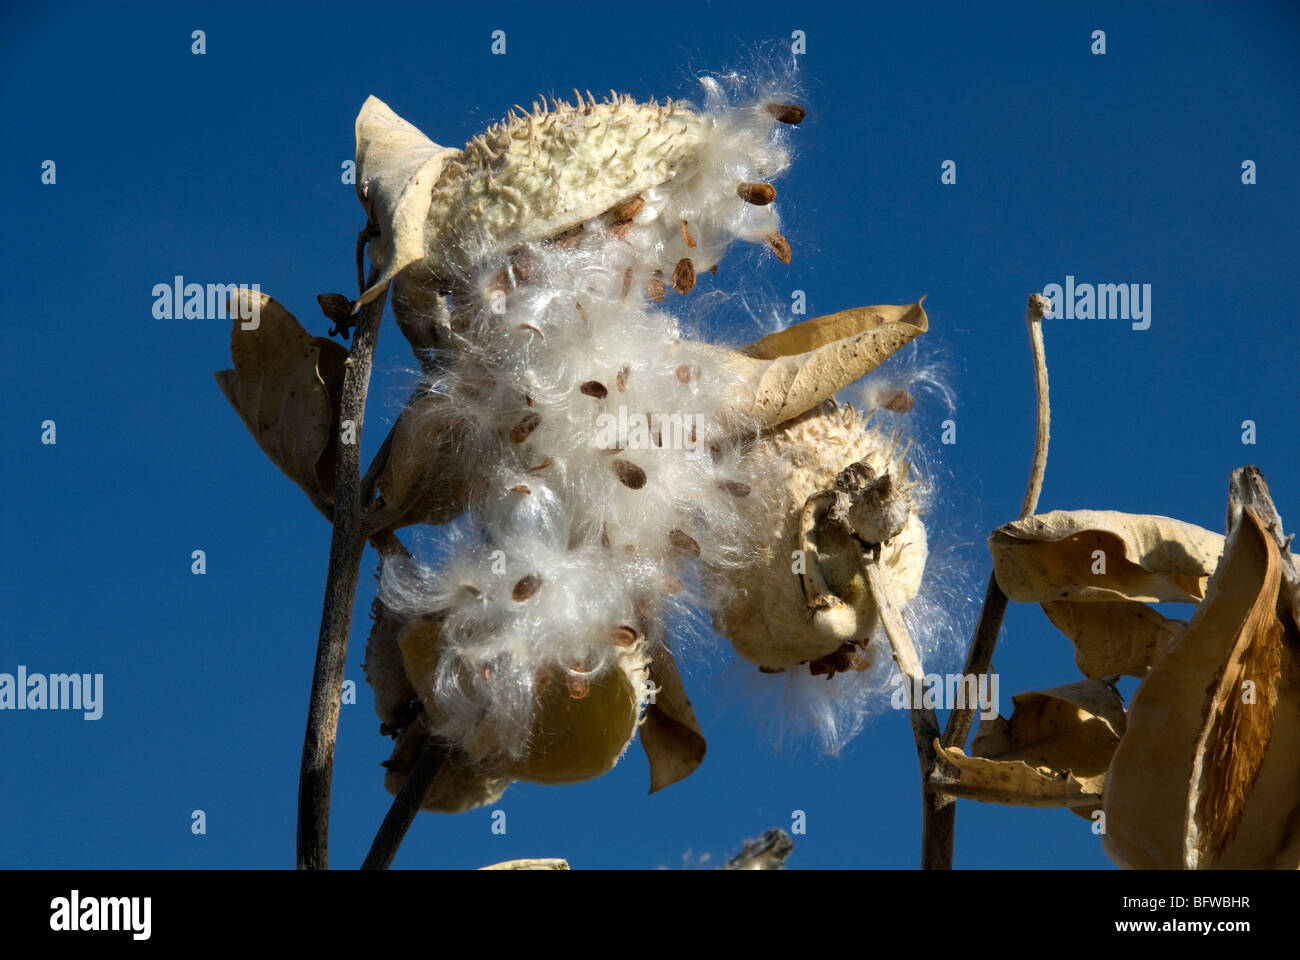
651,169
805,597
1208,774
580,724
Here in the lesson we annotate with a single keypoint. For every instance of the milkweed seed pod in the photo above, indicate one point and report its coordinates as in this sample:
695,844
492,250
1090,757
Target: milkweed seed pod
805,596
580,722
590,458
599,457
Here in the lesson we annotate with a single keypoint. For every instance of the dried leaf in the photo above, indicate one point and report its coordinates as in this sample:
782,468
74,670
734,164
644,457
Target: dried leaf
792,371
1053,556
1053,752
904,324
1208,774
1014,782
544,863
1073,728
670,732
397,166
286,387
1113,639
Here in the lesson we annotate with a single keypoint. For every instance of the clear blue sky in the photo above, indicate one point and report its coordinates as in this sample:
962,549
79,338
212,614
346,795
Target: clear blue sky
225,167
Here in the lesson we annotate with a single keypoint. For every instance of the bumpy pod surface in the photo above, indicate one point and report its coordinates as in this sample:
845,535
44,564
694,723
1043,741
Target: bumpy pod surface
766,611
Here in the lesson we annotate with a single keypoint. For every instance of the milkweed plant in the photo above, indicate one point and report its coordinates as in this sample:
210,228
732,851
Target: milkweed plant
594,474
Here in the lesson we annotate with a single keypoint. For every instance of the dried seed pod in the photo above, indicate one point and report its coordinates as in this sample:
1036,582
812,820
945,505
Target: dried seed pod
579,729
775,616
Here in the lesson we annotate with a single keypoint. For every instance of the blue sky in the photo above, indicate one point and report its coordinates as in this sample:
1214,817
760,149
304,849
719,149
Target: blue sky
1117,168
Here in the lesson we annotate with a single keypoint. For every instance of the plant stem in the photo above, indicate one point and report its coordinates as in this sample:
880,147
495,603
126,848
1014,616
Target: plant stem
405,806
940,809
925,725
346,547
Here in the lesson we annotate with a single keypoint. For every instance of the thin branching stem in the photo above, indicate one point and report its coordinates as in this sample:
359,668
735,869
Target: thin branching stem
405,806
940,808
346,547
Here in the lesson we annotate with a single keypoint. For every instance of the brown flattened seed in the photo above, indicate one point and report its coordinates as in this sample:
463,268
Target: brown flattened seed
626,211
684,542
790,113
759,194
686,235
593,388
521,430
900,401
735,487
780,246
684,276
525,587
629,473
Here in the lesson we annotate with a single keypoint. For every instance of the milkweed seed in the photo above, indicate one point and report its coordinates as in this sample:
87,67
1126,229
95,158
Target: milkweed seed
520,431
780,246
790,113
900,401
684,542
656,286
686,235
620,381
684,276
759,194
735,487
521,488
629,473
593,388
526,587
542,466
626,211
